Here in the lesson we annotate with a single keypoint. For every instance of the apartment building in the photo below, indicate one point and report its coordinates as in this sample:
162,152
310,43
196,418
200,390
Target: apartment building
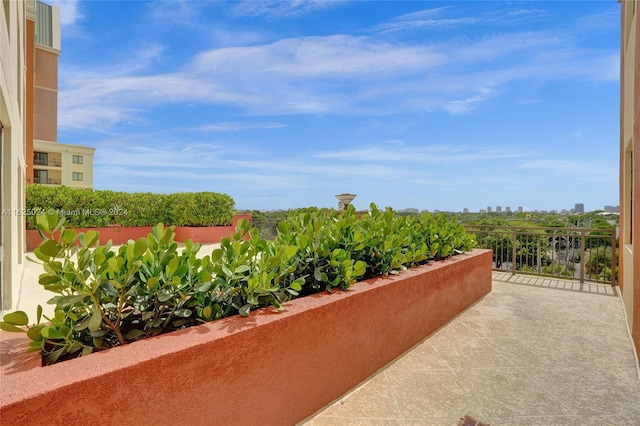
62,164
49,162
629,274
30,153
12,138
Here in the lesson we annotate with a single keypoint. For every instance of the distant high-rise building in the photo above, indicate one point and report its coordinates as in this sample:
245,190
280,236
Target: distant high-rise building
498,209
483,211
579,208
507,209
488,209
520,209
465,210
612,209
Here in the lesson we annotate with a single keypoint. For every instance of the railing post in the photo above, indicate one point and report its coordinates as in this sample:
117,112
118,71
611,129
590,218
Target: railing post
582,259
613,257
513,251
538,259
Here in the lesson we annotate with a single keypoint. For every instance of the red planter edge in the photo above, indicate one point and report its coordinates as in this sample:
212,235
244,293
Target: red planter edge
272,368
121,234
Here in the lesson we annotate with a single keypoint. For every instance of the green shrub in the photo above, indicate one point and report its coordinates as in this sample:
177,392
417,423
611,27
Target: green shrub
200,209
106,298
93,209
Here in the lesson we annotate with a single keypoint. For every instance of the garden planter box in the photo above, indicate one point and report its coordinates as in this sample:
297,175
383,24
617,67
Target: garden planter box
121,234
271,368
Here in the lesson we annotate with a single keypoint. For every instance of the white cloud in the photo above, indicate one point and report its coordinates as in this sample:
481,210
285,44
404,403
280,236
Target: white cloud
429,155
335,74
236,127
283,9
574,170
70,12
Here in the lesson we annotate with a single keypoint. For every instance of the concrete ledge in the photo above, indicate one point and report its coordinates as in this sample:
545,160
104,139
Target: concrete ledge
272,368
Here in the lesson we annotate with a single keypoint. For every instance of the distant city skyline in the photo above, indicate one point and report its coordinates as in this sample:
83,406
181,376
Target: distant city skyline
282,104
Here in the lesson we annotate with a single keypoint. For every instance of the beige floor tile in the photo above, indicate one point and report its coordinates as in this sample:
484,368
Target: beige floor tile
538,421
361,421
432,422
432,394
505,392
592,390
373,400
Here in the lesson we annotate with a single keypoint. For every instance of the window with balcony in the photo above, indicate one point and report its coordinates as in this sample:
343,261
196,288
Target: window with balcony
40,176
40,158
78,159
77,176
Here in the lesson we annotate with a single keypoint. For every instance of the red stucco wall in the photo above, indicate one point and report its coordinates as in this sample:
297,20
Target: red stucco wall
120,234
268,369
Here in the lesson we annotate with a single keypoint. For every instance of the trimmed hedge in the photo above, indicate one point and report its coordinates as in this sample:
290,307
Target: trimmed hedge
100,208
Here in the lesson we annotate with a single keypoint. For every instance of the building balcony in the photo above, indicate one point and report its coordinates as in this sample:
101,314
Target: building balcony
535,351
49,163
49,181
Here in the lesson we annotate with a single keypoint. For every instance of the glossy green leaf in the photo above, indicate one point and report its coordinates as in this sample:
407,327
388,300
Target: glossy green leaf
50,248
16,318
91,237
68,235
152,282
244,310
141,245
95,322
35,333
10,327
50,333
207,312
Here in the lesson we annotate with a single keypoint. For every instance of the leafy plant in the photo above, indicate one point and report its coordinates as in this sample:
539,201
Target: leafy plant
106,298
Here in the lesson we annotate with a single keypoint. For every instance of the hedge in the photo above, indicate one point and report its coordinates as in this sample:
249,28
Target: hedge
100,208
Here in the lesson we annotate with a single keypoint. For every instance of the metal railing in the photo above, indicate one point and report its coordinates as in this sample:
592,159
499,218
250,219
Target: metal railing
47,163
46,181
583,254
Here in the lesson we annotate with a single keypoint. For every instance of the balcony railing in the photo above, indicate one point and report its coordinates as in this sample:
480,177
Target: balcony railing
46,181
49,163
573,253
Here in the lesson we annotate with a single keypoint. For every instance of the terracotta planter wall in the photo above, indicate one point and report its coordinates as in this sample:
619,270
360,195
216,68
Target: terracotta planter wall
120,234
269,369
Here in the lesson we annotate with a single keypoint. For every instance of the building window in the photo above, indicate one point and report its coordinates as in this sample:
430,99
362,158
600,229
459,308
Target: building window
77,176
77,159
40,176
40,159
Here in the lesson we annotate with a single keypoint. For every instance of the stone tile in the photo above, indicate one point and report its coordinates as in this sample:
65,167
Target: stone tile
471,353
360,421
432,422
540,420
615,420
593,390
453,330
430,395
422,357
535,351
373,400
506,392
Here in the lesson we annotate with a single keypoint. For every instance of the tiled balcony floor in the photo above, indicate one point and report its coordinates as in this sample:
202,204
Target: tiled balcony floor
533,352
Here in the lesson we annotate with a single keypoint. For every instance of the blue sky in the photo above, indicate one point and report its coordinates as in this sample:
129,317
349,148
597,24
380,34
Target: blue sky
409,104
